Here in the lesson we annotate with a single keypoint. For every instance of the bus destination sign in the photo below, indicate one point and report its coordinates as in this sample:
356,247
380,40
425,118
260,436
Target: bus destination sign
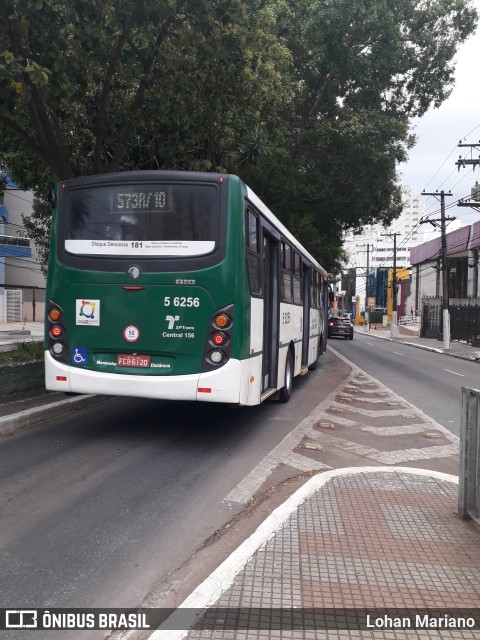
145,200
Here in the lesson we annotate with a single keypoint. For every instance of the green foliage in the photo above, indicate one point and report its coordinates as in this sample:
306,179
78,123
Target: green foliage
308,101
376,316
362,69
23,352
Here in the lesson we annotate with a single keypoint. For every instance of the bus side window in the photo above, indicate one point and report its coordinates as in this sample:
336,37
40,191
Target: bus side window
297,279
253,253
253,227
313,290
286,272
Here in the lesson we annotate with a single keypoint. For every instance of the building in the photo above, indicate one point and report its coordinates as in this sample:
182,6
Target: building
374,247
463,253
22,284
463,285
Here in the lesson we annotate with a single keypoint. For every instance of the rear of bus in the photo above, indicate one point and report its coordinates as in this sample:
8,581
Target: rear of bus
146,288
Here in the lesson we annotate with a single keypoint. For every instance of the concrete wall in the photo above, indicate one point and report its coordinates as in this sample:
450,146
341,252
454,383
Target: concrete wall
21,380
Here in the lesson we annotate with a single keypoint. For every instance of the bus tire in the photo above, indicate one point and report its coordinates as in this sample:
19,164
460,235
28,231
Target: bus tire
286,390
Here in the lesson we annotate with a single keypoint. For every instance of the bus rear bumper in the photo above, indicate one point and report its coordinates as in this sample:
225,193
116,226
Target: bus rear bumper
222,385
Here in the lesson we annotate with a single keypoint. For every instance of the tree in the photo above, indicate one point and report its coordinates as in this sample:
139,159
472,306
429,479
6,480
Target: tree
362,69
85,83
89,87
308,100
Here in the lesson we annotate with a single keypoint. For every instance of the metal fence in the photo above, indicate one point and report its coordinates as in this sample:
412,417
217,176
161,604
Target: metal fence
464,322
410,321
469,476
432,321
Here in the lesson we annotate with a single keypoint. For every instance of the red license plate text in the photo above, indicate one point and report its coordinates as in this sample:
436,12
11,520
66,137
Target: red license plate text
125,360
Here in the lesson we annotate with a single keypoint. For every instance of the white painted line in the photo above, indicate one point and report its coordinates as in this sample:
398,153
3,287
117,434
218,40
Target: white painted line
455,373
403,412
398,354
246,488
304,463
419,413
207,593
405,455
398,430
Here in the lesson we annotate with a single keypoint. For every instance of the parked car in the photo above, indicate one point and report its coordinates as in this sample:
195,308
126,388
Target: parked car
340,327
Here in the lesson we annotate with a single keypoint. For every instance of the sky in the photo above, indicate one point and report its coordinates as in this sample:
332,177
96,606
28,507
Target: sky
431,163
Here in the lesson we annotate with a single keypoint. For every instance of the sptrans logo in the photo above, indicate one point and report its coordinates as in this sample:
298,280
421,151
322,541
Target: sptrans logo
88,312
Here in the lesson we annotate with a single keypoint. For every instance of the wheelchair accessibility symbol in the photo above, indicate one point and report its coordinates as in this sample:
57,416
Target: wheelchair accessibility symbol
79,355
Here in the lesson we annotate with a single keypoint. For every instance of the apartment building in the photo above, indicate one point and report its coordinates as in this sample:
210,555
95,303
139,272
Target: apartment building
375,245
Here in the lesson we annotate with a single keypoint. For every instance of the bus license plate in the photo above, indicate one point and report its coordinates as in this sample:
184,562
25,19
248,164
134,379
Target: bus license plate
125,360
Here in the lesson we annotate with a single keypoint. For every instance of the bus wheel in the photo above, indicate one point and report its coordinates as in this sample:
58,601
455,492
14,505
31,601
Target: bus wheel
286,391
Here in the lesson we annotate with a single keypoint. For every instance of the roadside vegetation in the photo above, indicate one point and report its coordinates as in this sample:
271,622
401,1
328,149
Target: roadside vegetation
23,352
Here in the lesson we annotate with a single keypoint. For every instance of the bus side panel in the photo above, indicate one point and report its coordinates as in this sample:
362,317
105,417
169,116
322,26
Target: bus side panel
314,340
291,328
254,376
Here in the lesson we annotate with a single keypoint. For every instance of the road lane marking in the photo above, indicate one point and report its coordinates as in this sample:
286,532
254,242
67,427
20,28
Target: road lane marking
330,410
455,373
398,354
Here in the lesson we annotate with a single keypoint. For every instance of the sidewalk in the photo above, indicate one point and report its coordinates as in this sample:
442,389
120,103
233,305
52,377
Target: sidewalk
457,349
13,332
377,541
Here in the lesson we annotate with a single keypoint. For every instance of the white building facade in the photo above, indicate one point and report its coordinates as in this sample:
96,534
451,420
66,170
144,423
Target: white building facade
22,284
374,247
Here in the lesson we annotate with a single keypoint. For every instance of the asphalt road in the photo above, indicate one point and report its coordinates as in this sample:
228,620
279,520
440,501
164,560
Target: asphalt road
429,380
99,507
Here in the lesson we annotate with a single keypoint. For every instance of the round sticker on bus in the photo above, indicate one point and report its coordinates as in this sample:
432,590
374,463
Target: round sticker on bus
131,333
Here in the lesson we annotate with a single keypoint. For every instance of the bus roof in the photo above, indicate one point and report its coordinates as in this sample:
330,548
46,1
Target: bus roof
255,200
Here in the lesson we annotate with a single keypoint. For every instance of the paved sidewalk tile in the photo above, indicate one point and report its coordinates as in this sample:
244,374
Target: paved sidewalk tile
370,540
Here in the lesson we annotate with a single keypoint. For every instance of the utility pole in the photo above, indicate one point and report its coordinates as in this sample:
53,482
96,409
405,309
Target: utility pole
474,203
444,264
366,324
394,325
464,162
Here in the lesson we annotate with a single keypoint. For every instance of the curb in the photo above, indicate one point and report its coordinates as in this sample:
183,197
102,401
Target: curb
425,348
11,423
422,346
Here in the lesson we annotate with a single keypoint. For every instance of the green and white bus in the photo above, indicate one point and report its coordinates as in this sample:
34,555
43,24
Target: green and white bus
178,285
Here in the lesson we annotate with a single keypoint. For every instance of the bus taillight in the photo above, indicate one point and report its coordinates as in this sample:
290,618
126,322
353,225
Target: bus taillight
56,333
219,338
54,314
214,356
222,320
58,348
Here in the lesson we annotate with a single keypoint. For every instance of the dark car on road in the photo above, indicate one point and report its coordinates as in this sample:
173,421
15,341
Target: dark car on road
340,327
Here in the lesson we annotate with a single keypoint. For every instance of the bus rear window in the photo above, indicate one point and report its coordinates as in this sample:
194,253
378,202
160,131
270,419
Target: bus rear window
142,219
